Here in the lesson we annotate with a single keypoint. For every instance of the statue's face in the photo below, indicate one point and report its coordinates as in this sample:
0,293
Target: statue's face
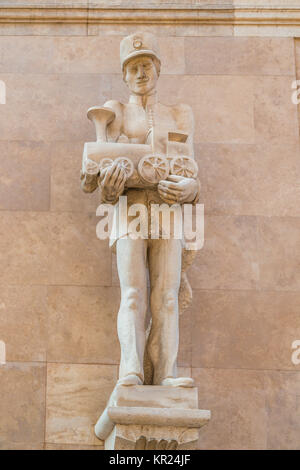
141,75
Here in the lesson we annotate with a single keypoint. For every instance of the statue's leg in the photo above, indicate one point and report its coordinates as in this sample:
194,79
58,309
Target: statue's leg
132,270
165,275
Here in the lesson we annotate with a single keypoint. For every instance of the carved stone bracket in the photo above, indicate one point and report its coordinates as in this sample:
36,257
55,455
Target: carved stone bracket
152,417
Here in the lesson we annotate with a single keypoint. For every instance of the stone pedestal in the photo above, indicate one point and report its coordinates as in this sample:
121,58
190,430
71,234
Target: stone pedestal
152,417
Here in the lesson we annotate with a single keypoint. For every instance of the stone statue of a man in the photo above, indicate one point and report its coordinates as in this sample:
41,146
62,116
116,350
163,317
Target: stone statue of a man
143,120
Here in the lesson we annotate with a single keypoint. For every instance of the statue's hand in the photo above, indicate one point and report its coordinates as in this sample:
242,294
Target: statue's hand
89,176
178,189
112,182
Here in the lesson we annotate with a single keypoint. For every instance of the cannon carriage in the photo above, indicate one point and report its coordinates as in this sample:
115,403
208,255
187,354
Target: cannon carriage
144,167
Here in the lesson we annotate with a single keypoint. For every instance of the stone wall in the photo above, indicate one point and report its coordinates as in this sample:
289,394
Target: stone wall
59,290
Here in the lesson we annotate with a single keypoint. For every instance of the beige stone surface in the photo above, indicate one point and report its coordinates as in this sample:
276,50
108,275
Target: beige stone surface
185,339
239,56
38,248
162,30
81,324
76,395
164,3
250,179
283,408
148,396
54,3
4,445
223,105
279,258
228,178
24,247
66,194
71,447
159,417
22,405
55,55
78,55
271,30
26,307
275,115
184,371
231,245
256,16
121,29
24,180
297,56
237,402
277,176
40,29
271,3
202,18
75,251
57,104
244,330
205,30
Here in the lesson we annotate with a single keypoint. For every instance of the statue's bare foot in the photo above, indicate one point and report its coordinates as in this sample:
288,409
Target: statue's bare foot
131,379
178,382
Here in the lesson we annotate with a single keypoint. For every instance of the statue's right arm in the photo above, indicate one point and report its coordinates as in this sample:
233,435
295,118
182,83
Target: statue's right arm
89,178
90,182
112,183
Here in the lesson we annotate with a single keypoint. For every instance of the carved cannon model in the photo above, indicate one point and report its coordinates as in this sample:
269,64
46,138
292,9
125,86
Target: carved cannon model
143,166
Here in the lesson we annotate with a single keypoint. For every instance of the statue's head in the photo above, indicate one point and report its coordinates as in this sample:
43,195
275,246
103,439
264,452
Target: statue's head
140,62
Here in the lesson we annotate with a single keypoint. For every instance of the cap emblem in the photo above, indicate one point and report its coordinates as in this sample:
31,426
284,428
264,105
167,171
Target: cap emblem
137,43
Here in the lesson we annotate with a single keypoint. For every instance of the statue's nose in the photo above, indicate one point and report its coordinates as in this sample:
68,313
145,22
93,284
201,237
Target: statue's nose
141,72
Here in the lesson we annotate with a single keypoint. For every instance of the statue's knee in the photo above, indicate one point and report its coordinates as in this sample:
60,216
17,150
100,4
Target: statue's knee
171,301
166,300
133,299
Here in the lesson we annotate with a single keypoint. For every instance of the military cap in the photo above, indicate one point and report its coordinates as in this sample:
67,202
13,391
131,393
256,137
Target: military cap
138,44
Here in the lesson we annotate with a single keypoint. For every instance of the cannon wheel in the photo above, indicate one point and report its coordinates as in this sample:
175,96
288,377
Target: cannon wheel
184,166
105,163
153,168
126,164
91,167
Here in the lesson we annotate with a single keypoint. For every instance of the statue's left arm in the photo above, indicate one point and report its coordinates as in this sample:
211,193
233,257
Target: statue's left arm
180,189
